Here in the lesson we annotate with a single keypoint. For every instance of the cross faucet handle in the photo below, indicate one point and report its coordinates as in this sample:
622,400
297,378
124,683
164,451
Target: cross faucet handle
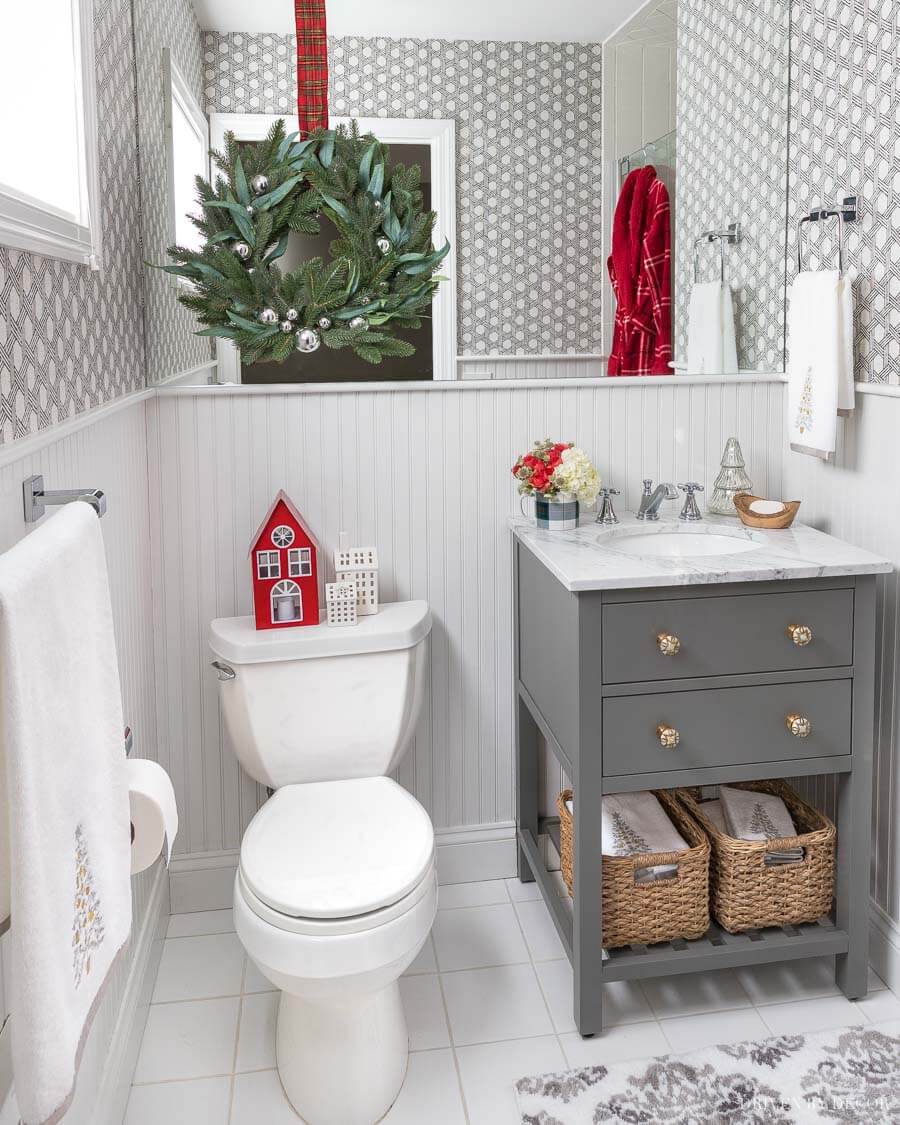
607,513
690,512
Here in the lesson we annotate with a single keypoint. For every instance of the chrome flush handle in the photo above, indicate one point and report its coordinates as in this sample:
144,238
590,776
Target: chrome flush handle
225,672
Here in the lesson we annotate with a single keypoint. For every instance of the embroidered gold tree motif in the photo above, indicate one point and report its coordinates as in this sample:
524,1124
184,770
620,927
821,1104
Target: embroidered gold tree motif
761,823
627,841
87,922
805,410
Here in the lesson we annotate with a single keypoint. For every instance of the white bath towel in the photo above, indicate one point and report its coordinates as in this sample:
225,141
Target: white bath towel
820,360
637,824
758,817
712,346
64,776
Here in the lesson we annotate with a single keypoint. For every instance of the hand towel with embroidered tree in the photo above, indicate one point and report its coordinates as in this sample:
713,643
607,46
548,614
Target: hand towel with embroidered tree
636,824
758,817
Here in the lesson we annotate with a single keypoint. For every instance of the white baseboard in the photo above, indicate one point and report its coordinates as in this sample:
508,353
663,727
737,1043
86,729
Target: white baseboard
119,1065
205,880
884,947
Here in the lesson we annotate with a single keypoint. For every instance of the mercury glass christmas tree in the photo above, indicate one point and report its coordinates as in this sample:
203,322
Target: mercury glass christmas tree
732,479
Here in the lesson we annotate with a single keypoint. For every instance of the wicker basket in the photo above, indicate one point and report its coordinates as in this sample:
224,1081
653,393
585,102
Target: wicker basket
643,913
747,895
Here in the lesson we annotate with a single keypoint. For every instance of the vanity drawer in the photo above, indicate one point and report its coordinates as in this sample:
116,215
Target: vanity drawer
724,726
727,636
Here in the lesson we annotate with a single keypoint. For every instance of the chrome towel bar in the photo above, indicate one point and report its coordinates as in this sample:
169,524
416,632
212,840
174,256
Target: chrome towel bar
35,499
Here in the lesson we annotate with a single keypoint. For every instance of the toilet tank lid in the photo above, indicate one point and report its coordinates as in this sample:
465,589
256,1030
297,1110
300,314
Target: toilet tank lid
397,625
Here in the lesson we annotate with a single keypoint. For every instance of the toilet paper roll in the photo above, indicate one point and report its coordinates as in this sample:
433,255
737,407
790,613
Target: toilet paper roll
154,816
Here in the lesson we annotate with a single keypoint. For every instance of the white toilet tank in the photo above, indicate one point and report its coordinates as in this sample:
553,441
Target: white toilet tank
319,702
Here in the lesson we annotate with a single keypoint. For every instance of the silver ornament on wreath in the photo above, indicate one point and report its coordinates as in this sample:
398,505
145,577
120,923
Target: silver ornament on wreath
378,205
268,316
243,251
251,211
324,323
384,245
292,314
308,340
286,326
259,184
359,322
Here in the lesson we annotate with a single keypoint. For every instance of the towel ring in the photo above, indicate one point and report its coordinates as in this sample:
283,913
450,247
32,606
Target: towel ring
732,236
815,217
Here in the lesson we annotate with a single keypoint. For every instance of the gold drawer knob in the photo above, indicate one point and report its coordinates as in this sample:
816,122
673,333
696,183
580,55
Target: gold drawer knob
668,737
668,644
800,634
799,726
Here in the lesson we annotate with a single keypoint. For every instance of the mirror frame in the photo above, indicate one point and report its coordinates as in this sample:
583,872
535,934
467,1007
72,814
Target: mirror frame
440,136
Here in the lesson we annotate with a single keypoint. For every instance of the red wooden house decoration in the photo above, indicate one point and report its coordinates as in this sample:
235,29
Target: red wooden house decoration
284,567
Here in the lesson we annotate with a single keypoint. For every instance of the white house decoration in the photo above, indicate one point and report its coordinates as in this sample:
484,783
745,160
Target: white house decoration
340,601
359,565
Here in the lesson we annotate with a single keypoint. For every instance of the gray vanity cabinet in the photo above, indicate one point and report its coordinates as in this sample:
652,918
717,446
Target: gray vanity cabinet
603,678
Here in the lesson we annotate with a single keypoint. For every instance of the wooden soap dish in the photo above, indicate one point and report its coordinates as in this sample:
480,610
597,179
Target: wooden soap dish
778,521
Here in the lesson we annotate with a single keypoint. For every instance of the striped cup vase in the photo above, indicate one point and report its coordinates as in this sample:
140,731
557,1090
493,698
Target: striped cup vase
557,513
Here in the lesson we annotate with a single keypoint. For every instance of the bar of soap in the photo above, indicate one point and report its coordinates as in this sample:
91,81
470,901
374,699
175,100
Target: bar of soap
766,507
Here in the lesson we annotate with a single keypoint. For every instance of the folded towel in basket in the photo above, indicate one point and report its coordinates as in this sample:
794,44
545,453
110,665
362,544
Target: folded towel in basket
753,816
637,824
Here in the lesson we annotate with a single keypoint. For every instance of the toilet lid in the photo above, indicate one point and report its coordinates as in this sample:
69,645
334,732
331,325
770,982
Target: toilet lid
332,849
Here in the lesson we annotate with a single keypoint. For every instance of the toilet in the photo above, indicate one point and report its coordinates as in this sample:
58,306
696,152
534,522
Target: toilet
336,889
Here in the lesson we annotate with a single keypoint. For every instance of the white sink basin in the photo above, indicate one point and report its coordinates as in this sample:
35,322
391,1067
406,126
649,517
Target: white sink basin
683,543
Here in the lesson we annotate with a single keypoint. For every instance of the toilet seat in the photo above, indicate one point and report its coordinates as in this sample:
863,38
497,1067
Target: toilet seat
336,856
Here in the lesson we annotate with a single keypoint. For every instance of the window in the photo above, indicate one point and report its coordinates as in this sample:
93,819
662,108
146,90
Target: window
188,155
268,564
283,536
49,198
300,562
287,604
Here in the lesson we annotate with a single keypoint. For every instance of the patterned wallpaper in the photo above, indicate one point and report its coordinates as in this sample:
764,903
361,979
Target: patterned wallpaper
171,344
529,250
733,69
71,338
845,140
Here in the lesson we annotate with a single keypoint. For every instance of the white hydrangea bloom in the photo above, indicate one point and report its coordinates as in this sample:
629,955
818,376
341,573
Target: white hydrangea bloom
577,476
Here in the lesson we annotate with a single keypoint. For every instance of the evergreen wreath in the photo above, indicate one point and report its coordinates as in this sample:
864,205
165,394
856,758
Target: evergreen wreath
381,275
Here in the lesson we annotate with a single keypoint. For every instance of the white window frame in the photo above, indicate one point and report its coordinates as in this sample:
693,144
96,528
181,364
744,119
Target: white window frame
301,559
440,136
177,89
264,559
27,223
290,530
296,592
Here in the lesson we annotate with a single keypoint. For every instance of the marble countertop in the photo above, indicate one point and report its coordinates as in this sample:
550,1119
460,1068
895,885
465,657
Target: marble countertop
591,558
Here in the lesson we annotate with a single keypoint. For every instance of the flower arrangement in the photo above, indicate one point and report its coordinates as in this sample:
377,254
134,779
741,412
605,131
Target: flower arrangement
557,470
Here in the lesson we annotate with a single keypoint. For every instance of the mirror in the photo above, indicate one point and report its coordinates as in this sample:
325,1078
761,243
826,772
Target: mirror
543,161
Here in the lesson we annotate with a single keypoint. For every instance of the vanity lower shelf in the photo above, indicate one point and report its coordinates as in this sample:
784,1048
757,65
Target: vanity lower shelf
716,949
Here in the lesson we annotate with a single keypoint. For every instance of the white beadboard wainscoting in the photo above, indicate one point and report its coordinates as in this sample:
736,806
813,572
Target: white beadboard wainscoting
474,367
107,449
855,498
424,474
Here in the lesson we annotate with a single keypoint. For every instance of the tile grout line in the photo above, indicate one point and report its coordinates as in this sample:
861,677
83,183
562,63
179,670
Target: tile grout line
237,1038
459,1081
537,977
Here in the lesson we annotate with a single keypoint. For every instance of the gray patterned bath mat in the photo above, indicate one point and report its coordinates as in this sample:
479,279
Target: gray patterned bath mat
849,1075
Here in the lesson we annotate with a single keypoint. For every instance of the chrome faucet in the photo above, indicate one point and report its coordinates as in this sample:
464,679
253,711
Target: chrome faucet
607,513
690,512
653,498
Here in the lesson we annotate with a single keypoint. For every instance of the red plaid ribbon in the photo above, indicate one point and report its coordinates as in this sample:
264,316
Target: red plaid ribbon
312,65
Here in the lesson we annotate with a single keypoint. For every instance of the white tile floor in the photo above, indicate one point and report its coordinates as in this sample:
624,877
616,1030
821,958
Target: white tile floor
488,1000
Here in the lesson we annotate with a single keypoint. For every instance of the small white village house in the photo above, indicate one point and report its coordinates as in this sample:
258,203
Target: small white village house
359,565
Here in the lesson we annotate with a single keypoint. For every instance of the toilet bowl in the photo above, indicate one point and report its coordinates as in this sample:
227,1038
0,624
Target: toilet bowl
336,889
334,897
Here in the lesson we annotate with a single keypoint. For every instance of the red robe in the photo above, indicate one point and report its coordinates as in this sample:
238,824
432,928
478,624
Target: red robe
640,271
